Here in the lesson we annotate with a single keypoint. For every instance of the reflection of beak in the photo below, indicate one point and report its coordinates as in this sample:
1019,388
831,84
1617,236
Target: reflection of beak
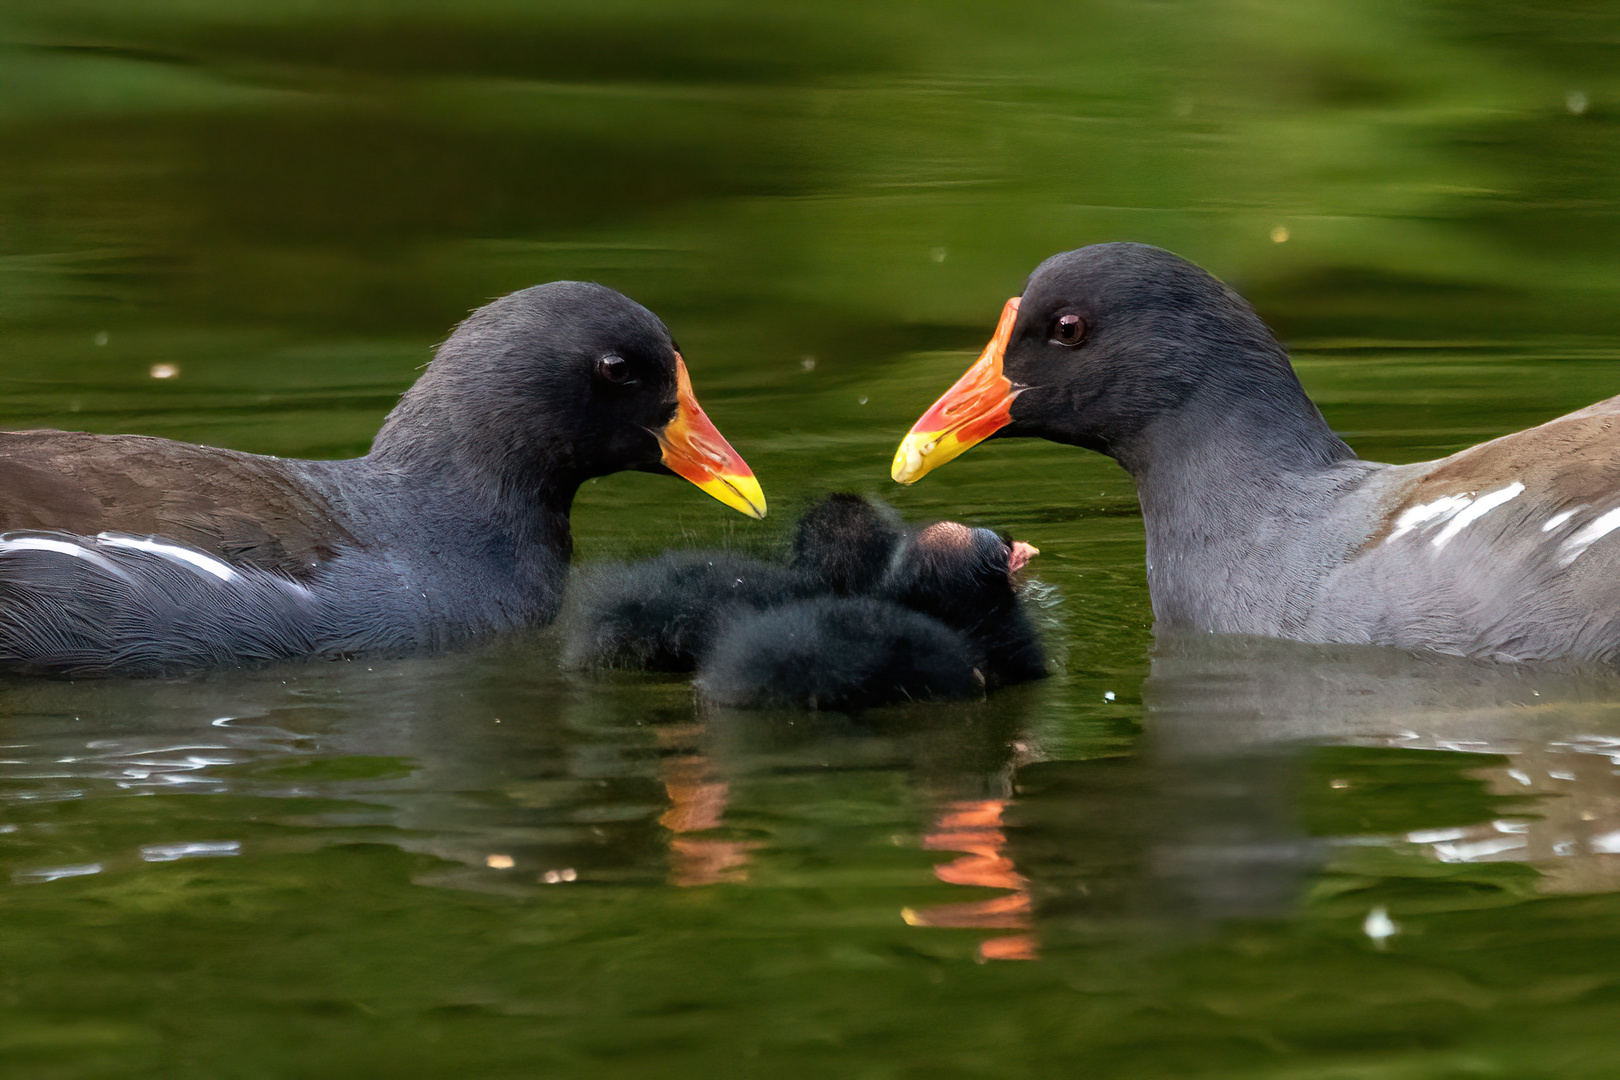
970,412
695,450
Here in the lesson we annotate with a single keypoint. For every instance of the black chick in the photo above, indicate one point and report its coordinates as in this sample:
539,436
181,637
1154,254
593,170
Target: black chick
964,578
943,623
840,653
863,614
662,614
846,543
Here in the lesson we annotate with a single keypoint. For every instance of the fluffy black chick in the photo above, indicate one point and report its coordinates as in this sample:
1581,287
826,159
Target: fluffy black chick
662,614
863,614
943,623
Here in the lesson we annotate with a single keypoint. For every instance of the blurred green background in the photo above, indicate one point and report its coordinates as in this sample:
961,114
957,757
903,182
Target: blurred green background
248,223
269,181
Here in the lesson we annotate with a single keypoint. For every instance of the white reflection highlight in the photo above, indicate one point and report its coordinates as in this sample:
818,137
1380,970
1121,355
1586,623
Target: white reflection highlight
204,849
1379,926
54,873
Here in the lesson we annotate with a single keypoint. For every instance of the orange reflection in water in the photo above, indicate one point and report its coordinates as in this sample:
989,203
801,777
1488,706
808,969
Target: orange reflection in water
698,805
973,826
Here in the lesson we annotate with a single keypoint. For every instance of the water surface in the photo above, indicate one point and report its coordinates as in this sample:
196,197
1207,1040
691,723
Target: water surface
248,223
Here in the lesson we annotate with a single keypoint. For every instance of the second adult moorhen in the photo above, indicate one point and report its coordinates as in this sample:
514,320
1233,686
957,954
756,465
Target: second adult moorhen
1259,519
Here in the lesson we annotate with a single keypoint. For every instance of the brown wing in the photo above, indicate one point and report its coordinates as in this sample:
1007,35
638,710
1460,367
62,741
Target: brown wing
244,508
1571,461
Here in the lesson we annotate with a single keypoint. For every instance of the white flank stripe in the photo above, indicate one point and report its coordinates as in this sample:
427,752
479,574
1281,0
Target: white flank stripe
45,543
1589,534
61,547
1428,513
1559,518
296,589
193,558
1481,506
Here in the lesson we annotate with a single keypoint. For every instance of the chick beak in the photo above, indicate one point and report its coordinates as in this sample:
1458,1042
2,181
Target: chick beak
695,450
1018,556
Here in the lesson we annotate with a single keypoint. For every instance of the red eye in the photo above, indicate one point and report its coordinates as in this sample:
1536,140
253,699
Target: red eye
1067,330
613,369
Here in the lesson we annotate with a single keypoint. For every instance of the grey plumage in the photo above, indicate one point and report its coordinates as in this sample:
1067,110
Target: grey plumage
77,606
454,525
1260,520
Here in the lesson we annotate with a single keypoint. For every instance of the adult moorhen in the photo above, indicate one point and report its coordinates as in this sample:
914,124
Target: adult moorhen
1259,519
121,554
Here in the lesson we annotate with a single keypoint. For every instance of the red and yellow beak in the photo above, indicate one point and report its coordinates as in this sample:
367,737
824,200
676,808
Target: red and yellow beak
695,450
971,411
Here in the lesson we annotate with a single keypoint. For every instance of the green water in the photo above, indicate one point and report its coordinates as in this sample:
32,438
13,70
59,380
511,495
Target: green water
1171,859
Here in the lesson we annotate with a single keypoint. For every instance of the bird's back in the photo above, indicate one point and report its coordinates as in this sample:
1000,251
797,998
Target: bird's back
1509,549
248,509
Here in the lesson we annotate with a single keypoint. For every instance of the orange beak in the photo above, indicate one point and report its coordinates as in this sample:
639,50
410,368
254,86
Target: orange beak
977,406
695,450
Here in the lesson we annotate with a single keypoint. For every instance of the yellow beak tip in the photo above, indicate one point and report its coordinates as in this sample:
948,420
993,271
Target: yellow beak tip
919,454
742,493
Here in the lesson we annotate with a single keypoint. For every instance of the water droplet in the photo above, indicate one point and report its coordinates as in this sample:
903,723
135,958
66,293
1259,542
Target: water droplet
1575,101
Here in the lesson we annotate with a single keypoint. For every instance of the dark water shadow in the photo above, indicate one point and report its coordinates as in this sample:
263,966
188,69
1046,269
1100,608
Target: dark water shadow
1263,763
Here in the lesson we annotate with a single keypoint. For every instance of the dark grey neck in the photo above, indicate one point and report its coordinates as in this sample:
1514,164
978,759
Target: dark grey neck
448,496
496,538
1263,417
1235,493
458,445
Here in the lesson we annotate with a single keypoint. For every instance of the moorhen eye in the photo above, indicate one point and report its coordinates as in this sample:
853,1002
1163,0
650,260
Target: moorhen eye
614,369
1068,330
